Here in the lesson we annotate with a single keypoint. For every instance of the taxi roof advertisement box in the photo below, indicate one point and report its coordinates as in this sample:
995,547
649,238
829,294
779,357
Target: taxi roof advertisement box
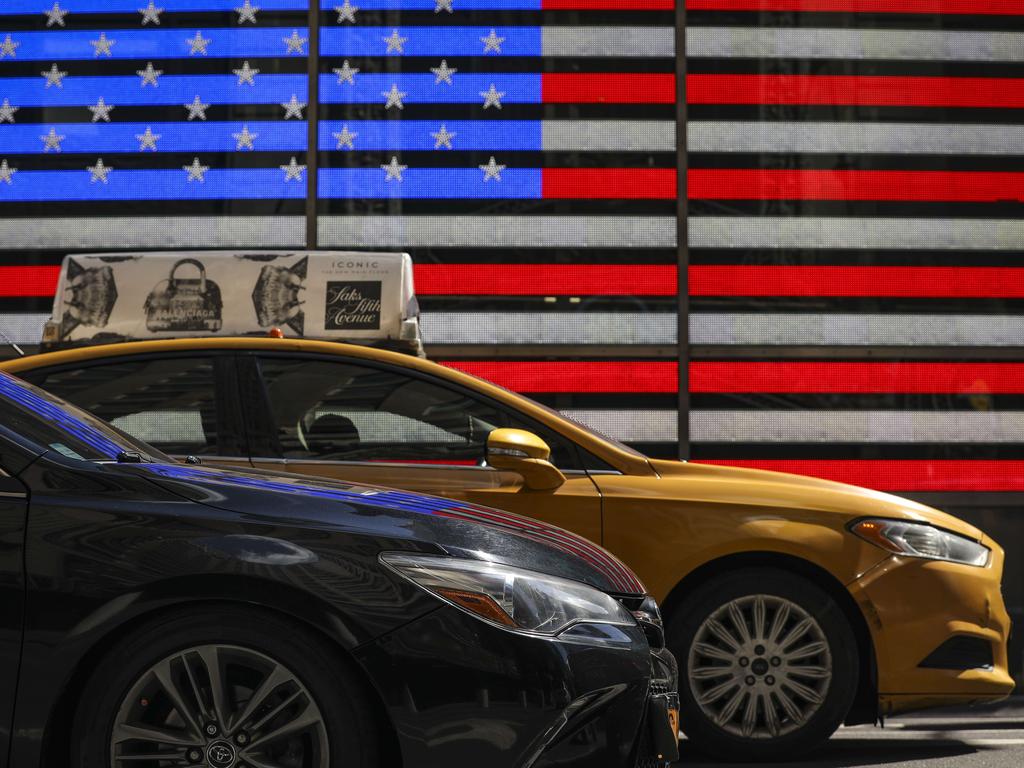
334,295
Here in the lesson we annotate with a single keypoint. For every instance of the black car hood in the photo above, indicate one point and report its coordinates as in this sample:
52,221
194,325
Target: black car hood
455,526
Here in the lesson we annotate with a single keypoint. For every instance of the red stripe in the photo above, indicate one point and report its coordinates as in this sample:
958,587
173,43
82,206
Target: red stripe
656,377
911,475
545,280
28,281
918,378
758,184
609,183
924,282
868,90
979,7
608,5
574,88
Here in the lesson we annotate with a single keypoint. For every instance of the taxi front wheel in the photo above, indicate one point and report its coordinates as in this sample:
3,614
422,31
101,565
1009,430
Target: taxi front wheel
769,665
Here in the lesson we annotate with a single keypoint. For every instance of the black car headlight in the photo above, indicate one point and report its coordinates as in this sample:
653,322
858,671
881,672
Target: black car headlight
516,599
921,540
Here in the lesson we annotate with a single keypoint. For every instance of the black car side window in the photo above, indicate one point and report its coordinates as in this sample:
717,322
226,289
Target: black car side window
170,403
325,410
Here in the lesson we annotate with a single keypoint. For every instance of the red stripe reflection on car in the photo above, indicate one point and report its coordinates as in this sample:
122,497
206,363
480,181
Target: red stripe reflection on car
902,475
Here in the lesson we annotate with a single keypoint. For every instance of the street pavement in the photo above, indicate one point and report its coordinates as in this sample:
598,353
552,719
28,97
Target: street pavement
982,737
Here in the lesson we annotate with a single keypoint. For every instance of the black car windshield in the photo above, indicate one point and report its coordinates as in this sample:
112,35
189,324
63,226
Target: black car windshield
58,426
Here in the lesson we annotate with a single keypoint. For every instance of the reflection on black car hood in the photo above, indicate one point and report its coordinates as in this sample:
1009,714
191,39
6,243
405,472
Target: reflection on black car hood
562,553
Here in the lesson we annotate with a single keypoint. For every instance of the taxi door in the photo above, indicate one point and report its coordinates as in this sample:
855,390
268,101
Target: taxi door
365,422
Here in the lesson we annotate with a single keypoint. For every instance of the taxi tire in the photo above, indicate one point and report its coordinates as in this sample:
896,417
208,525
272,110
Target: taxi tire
705,735
352,731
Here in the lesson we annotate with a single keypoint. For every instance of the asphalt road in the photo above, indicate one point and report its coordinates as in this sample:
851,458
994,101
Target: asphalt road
990,737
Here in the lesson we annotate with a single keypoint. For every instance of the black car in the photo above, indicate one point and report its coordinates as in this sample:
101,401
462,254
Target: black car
159,614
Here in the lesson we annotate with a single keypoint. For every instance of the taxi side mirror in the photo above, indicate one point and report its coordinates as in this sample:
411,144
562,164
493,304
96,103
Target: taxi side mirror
520,451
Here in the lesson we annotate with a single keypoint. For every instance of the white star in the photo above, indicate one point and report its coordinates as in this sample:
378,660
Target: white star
295,43
293,108
345,137
52,141
197,109
101,111
147,140
346,12
246,74
492,97
393,170
54,77
247,12
443,138
443,74
195,171
151,13
9,46
492,42
346,74
198,44
99,172
55,15
443,5
292,171
6,172
149,75
7,112
244,139
394,97
395,42
102,45
492,170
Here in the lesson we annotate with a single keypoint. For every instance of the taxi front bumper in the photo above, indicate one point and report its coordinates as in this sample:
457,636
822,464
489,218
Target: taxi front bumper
940,631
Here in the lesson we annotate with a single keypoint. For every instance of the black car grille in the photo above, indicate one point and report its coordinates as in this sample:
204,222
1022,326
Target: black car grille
960,652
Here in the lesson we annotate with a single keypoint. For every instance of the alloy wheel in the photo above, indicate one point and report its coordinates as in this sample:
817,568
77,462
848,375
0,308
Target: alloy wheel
760,667
219,706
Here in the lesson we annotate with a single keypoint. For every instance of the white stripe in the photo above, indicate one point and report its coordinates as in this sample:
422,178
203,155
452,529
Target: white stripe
856,427
849,138
900,44
608,41
630,426
609,135
155,232
808,232
812,329
549,327
499,231
21,329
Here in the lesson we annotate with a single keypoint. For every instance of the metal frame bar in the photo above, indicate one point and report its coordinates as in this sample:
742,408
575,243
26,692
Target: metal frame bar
312,126
682,236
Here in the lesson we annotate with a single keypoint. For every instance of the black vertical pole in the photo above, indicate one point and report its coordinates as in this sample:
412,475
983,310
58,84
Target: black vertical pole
682,235
313,124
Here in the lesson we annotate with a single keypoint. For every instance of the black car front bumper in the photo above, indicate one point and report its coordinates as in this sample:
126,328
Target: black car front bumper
462,692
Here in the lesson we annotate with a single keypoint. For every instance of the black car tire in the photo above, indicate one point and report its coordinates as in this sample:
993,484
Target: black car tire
694,621
351,729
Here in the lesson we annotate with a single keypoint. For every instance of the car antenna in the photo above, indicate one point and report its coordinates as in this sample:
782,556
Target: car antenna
9,340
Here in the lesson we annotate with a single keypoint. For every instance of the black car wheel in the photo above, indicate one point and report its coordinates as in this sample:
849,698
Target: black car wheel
768,663
226,689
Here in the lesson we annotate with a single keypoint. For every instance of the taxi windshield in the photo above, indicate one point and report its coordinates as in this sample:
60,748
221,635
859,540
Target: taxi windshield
60,427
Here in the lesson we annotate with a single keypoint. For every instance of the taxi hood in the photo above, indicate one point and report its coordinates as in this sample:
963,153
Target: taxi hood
457,527
758,487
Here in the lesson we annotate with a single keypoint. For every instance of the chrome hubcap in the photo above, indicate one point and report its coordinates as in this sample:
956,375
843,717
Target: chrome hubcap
219,706
760,667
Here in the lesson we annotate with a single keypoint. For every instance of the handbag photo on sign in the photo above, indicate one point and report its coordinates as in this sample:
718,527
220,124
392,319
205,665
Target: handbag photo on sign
185,304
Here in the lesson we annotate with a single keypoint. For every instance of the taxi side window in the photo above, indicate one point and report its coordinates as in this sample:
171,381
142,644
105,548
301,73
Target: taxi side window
169,403
325,410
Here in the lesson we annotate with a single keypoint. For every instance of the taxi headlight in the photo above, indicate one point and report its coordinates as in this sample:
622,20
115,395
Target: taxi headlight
921,540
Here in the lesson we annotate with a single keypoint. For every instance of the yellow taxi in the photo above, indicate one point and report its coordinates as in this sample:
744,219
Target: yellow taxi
792,604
